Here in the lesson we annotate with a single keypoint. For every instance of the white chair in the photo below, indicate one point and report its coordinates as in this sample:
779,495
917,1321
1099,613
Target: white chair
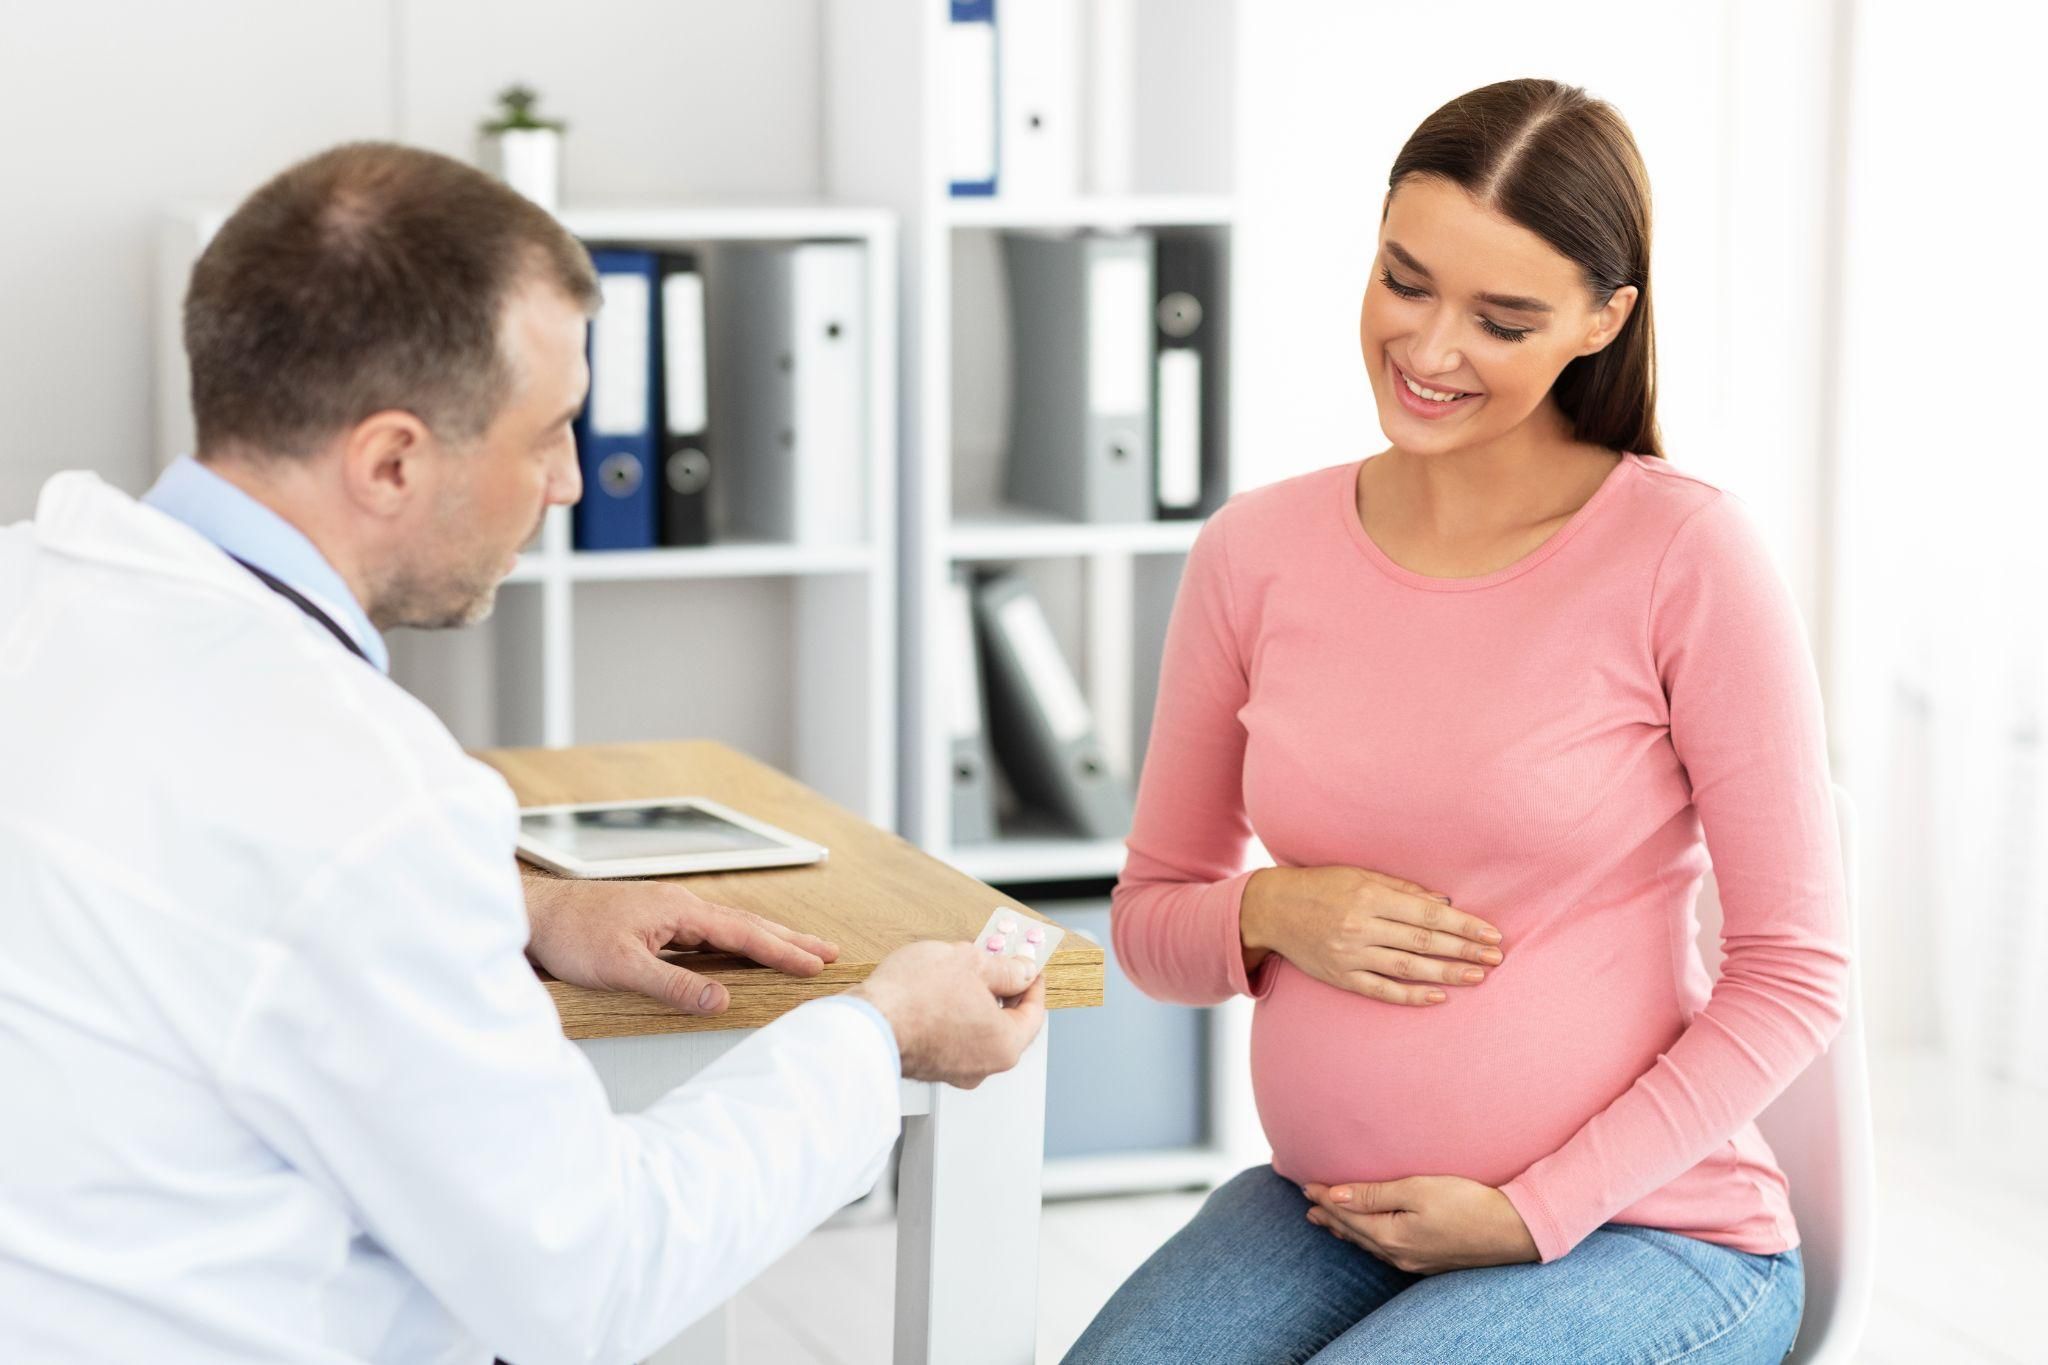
1821,1132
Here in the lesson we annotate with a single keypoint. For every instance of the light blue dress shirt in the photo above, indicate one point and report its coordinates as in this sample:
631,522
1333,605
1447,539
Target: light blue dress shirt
190,492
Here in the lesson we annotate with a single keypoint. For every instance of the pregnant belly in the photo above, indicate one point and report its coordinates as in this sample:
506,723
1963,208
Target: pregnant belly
1481,1086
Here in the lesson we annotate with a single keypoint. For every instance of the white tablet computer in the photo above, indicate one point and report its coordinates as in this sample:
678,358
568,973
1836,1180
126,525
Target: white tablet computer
655,838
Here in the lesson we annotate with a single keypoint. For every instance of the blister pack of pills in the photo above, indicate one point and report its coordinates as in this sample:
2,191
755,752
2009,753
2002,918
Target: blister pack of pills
1010,934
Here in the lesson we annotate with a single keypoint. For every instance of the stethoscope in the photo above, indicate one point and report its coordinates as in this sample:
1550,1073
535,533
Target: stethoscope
304,604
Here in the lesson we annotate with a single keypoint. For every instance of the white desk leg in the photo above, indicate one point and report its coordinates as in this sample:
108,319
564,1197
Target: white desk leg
968,1197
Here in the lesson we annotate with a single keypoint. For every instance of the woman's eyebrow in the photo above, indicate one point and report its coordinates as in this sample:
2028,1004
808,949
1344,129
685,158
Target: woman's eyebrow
1521,303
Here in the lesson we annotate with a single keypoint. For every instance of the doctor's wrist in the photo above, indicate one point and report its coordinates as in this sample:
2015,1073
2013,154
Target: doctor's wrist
544,897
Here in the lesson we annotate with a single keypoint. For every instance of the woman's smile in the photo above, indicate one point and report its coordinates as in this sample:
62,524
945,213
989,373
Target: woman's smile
1422,406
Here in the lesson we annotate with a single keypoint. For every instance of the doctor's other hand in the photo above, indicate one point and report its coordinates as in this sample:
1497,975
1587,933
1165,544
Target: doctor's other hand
1365,931
609,935
946,1003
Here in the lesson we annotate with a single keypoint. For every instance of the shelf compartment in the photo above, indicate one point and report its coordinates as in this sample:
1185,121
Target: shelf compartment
800,690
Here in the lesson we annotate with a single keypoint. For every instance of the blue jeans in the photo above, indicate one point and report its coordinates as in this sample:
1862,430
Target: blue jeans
1251,1280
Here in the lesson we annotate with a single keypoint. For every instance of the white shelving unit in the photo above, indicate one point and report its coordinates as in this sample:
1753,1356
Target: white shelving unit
1107,588
819,659
786,650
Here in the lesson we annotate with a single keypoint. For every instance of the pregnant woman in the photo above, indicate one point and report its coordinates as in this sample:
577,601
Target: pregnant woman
1490,698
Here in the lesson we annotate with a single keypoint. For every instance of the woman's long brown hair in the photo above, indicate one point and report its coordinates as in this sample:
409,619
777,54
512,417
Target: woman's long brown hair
1564,165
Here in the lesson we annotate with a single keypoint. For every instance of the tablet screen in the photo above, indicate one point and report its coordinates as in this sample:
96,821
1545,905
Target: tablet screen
641,832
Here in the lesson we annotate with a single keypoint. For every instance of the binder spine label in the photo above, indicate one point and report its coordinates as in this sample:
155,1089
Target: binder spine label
682,325
1119,333
1180,427
618,358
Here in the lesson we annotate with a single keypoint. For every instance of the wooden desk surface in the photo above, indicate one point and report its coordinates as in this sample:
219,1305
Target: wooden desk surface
873,894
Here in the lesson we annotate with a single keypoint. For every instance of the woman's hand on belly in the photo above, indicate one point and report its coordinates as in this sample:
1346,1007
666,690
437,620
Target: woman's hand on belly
1426,1224
1365,931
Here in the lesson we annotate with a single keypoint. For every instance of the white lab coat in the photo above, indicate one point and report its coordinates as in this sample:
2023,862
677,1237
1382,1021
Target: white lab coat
278,1082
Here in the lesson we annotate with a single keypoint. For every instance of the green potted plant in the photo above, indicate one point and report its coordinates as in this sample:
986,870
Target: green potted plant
524,150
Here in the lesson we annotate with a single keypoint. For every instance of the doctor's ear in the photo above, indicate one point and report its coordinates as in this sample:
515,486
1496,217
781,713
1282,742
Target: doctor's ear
385,459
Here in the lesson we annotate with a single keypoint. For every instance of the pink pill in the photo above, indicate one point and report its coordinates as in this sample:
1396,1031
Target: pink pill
996,942
1034,935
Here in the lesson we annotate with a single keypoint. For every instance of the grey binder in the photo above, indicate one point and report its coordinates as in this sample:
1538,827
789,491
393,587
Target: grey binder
789,357
1043,730
972,775
1081,375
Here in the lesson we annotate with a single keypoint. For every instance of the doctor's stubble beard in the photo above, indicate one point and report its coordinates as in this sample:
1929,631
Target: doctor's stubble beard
440,601
462,587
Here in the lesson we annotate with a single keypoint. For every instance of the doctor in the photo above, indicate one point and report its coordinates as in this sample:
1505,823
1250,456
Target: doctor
279,1081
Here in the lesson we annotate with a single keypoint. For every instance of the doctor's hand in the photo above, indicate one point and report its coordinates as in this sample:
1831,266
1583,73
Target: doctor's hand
1366,932
608,935
1426,1224
946,1003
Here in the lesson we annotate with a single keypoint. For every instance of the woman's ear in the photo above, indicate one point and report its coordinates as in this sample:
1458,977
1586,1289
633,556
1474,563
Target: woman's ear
1612,317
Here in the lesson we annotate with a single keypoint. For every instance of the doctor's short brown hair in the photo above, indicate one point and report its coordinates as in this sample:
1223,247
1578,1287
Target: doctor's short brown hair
366,278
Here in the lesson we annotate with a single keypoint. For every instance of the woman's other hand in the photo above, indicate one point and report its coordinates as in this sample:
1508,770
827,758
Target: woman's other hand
1365,931
1426,1224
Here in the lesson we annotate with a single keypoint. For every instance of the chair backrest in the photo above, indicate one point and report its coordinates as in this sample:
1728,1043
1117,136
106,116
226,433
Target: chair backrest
1820,1130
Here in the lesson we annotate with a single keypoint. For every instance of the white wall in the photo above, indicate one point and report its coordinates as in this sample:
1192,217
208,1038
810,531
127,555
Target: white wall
114,109
1942,640
117,108
1727,101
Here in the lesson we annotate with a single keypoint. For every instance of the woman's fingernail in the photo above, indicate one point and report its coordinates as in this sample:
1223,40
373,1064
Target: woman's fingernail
1474,974
707,997
1492,955
1341,1195
1436,997
1490,935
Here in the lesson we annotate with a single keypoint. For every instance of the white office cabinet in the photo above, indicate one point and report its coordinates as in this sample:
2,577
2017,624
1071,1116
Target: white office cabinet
1157,110
784,649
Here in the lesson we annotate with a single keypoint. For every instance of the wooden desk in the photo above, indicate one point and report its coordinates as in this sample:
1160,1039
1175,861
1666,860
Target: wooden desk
968,1202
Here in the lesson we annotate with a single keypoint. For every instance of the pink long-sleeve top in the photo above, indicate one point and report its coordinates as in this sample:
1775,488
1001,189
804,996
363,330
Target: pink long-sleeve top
1557,746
